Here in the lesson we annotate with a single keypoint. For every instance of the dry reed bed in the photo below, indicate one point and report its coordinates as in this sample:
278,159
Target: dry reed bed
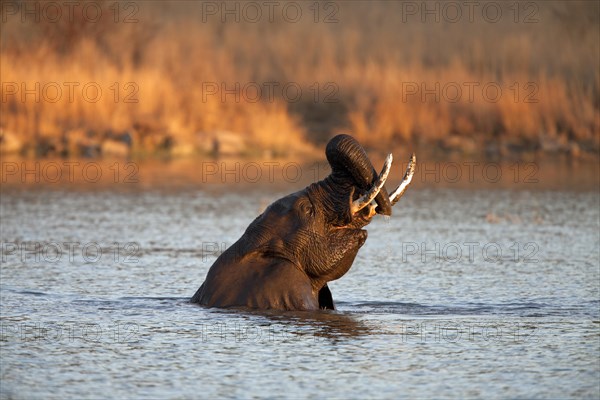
385,76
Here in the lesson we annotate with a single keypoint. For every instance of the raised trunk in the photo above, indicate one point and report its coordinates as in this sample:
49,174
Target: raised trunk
349,160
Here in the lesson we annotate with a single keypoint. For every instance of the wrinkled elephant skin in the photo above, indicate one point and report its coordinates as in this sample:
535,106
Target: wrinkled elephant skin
289,253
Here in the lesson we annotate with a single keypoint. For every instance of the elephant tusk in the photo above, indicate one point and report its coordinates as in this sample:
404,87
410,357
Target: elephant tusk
368,197
408,175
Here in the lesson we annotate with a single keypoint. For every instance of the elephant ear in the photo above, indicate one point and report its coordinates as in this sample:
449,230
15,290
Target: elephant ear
349,160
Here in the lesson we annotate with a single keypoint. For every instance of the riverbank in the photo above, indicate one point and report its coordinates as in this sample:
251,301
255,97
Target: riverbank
221,173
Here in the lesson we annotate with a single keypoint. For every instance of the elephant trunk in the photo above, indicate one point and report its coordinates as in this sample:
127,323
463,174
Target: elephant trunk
347,158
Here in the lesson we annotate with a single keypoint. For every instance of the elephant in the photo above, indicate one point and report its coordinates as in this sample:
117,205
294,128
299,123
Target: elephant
289,253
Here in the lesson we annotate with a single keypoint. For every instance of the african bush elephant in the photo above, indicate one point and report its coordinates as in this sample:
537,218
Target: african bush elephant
287,255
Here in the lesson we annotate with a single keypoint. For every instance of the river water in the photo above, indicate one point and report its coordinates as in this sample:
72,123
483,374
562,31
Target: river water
490,293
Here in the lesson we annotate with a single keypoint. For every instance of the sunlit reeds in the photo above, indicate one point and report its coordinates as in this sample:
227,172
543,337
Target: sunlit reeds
386,78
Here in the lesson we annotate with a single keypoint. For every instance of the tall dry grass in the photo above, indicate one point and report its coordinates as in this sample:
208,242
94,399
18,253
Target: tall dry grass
365,66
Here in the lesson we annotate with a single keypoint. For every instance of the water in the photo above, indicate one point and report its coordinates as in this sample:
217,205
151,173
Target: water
462,293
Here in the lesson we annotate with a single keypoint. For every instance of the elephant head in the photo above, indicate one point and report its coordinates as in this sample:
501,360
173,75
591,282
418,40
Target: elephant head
287,254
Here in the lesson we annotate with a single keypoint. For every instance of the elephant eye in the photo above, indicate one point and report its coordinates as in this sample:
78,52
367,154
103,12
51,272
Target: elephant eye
306,208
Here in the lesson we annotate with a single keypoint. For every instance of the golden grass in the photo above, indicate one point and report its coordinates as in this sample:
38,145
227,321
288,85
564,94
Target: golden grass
365,63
